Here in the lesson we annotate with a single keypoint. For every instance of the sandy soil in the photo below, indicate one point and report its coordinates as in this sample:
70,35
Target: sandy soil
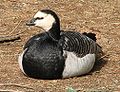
98,16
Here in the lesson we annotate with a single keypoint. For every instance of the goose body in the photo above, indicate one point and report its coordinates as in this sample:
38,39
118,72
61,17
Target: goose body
57,54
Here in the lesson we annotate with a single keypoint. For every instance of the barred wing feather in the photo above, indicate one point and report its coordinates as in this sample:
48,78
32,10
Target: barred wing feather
78,43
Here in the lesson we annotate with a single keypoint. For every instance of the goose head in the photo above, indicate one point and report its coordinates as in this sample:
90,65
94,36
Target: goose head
45,19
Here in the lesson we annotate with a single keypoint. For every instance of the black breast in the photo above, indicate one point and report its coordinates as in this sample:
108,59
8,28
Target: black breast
43,58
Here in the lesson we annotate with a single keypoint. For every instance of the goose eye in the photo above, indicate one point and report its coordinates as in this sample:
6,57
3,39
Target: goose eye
39,18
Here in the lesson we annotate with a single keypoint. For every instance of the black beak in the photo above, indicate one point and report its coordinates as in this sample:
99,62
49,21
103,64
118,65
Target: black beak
31,22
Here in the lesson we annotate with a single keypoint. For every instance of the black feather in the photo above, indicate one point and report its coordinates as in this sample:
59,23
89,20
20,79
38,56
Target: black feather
90,35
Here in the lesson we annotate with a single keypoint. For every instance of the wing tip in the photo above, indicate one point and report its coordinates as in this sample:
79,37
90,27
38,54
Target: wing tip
90,35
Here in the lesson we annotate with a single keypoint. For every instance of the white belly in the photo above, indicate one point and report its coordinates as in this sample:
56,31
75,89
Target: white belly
75,66
20,59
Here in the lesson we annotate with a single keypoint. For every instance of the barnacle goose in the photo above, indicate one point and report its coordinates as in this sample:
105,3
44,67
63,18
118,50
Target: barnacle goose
57,54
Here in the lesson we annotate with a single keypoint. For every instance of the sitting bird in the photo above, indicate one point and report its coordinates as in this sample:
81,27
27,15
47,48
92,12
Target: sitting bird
55,54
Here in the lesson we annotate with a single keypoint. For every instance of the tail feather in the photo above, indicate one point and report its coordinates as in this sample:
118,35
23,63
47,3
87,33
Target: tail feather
90,35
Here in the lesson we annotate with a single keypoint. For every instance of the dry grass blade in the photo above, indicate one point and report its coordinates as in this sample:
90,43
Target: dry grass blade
6,90
104,56
9,38
17,85
15,27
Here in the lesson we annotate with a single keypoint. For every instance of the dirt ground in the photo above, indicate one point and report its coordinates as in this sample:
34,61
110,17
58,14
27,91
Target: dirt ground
98,16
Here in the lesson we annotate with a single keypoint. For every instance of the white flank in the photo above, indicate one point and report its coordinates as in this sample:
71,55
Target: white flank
20,59
75,66
45,23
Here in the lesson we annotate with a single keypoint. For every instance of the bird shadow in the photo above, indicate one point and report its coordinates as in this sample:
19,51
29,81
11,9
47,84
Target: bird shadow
99,65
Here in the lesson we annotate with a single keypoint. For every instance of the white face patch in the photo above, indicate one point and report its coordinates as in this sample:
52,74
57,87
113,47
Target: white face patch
45,23
75,66
40,14
20,59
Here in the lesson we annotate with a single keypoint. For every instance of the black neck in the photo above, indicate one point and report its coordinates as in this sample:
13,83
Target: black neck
54,32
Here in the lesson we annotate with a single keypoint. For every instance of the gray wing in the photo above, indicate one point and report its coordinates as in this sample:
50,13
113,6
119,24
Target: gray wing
78,43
